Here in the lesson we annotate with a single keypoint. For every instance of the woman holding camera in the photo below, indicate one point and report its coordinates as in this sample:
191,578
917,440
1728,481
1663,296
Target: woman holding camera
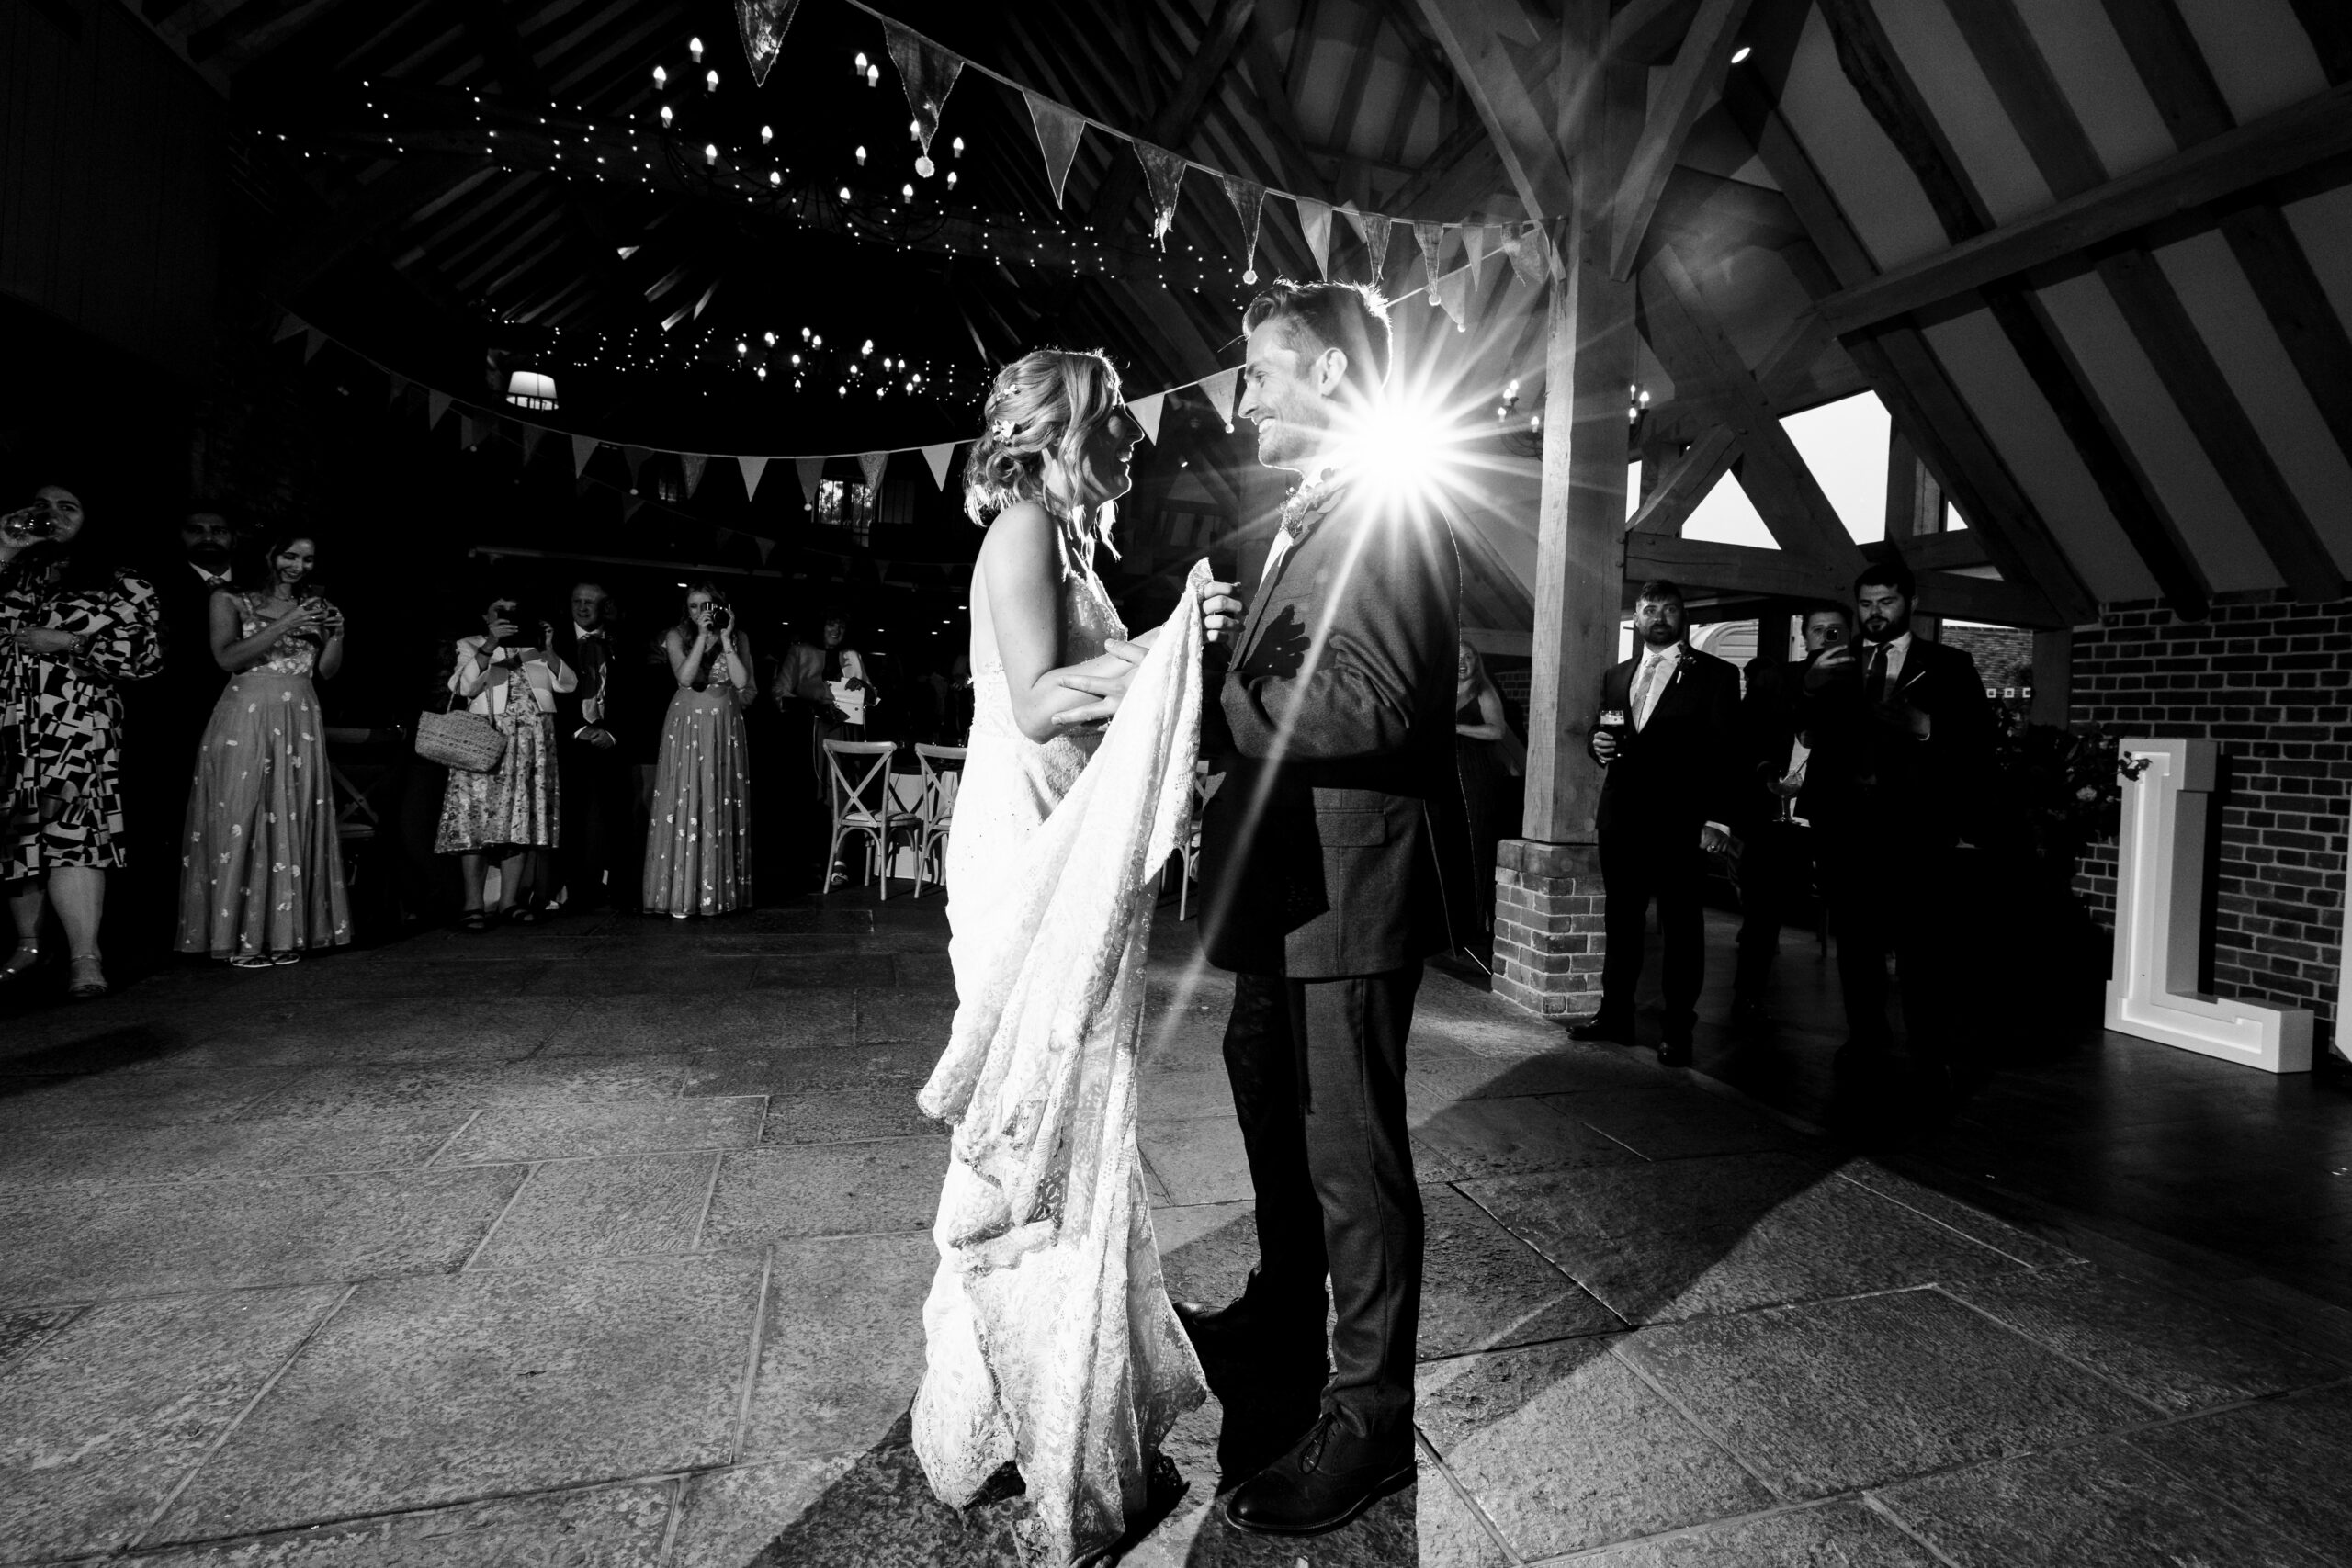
73,628
510,677
697,855
261,870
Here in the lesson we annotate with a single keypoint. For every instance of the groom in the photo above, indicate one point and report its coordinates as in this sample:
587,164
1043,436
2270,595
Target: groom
1321,853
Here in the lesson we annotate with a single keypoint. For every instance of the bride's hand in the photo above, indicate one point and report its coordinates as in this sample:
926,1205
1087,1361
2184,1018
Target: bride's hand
1108,689
1221,613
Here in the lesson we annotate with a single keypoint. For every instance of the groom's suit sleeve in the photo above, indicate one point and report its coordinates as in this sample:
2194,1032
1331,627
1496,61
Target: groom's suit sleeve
1375,625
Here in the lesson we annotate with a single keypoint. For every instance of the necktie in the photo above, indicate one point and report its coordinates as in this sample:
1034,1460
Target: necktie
1874,684
1645,684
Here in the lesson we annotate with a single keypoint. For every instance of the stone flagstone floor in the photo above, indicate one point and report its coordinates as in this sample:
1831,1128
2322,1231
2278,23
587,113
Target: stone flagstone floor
602,1243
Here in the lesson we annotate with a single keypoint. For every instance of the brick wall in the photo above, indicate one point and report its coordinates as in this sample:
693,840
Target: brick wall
1548,927
2271,681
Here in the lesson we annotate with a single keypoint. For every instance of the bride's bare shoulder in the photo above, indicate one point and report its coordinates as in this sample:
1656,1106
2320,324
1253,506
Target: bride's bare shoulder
1022,536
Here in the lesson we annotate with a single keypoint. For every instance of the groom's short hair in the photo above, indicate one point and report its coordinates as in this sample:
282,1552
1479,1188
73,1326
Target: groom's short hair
1329,314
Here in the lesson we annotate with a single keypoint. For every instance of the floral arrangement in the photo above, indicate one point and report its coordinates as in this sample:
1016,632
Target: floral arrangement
2066,783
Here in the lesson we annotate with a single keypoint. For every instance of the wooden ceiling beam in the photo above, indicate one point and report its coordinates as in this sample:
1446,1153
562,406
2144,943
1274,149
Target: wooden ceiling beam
1694,474
2329,25
366,212
1690,83
1524,128
1746,570
1181,114
2062,149
1280,117
2296,137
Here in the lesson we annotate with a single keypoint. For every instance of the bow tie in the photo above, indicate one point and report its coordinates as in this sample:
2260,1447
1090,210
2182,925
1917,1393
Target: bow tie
596,632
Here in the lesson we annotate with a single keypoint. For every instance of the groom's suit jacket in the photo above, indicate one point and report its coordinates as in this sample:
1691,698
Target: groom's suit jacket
1337,843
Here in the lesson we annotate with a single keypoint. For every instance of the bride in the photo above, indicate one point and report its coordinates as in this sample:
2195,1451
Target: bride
1050,1341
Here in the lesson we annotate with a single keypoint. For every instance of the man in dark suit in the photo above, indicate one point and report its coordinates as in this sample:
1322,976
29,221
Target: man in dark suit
1776,843
1902,739
1669,737
598,867
1335,859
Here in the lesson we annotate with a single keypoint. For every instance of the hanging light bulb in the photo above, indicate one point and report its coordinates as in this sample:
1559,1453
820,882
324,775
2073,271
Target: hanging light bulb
661,77
844,193
868,347
763,372
796,359
710,152
914,130
804,335
693,47
951,179
861,157
768,338
710,80
858,69
817,341
768,134
665,115
874,76
775,177
741,347
956,146
906,193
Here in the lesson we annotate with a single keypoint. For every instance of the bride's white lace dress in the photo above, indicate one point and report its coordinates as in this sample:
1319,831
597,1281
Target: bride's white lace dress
1050,1338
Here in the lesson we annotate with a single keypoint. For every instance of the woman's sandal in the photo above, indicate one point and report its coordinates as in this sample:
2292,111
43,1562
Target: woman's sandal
522,915
473,921
280,960
22,962
250,961
89,980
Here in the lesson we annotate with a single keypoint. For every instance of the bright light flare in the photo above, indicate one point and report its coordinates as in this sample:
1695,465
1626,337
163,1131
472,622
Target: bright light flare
1407,445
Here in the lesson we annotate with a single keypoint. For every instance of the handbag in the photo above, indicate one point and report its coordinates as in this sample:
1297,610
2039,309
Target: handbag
463,741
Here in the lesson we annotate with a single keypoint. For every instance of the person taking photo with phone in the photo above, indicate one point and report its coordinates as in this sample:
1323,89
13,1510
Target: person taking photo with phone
697,852
511,676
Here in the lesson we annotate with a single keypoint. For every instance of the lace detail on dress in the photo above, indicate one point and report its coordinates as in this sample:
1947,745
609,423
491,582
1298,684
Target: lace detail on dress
1050,1339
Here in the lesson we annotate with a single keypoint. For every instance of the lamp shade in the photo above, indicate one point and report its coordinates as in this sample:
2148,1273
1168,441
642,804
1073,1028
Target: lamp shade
531,390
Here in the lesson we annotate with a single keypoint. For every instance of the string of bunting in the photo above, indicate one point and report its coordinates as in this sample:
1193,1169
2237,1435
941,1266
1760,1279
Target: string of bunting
928,70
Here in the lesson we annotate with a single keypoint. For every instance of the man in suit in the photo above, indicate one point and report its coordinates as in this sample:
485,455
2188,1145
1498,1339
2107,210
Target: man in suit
1671,749
1776,843
1335,859
1902,740
598,865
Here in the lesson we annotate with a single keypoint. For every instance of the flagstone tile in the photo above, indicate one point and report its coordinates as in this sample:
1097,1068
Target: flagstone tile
922,1015
1960,1216
1449,1012
78,1242
843,1347
1199,1160
812,1070
617,1127
2083,1508
67,1045
1462,1073
1671,1123
2281,1460
427,1391
2173,1353
621,1025
1829,1396
1182,1097
1502,1137
351,977
622,1206
159,1098
367,1091
1206,1250
1483,1288
603,1527
99,1422
399,1030
102,1154
780,1194
1638,1196
1427,1524
820,971
21,1331
729,1516
919,969
1839,1535
846,1114
645,977
1566,1448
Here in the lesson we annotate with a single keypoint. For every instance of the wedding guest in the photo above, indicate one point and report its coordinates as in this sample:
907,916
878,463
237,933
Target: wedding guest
261,869
74,628
698,853
822,688
1669,737
1487,756
598,858
511,677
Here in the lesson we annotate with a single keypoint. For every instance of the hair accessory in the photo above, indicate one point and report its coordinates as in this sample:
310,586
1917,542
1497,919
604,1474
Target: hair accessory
1002,430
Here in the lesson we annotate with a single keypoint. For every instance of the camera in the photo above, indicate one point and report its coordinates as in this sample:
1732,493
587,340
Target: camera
721,616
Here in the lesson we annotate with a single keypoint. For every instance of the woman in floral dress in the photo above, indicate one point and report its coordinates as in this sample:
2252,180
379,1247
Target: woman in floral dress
72,628
510,677
697,855
261,870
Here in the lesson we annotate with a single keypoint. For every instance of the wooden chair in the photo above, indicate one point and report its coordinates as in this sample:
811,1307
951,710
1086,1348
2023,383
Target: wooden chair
863,808
943,773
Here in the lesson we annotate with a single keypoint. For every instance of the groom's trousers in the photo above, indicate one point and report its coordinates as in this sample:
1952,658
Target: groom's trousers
1318,1069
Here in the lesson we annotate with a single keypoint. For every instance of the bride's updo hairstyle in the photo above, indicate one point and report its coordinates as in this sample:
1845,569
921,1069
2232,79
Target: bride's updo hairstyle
1049,402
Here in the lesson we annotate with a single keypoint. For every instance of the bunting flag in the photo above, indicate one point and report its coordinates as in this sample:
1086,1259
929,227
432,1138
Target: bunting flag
1474,247
400,385
812,474
1453,292
767,547
1250,203
752,468
871,465
1431,237
1164,172
313,340
1218,390
1526,250
436,405
532,436
288,325
929,74
582,448
763,24
1373,227
693,464
1147,411
939,457
725,537
635,456
472,429
1315,222
1058,134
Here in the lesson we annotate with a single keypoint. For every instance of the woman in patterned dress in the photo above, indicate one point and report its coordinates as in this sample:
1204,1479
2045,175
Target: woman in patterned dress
261,871
697,855
510,677
72,628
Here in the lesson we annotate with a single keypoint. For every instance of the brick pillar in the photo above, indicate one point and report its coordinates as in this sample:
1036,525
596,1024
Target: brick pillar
1548,939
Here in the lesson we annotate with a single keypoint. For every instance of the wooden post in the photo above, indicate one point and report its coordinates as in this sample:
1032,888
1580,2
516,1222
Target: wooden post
2053,679
1915,508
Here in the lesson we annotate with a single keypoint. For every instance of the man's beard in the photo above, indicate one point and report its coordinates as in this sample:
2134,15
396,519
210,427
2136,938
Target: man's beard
1660,635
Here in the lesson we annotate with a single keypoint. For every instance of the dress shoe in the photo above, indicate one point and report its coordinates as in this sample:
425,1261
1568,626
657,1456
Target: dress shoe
1600,1026
1329,1477
1258,1329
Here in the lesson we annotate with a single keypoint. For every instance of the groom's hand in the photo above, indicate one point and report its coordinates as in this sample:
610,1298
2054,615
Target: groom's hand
1220,611
1107,690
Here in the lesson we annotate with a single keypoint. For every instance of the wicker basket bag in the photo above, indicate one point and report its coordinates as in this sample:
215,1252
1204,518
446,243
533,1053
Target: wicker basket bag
465,740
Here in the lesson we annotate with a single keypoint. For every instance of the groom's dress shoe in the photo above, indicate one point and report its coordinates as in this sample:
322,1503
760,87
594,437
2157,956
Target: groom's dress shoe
1329,1477
1600,1026
1252,1331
